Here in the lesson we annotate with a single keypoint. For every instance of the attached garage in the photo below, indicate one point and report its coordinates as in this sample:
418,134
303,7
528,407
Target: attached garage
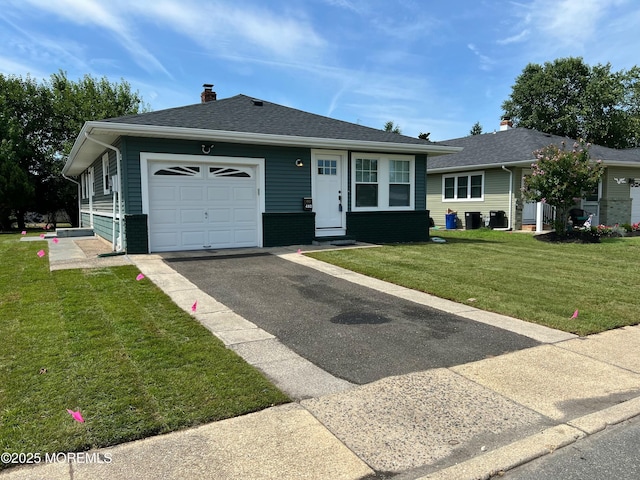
195,205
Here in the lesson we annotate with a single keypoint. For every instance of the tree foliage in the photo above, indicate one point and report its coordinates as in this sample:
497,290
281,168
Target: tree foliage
567,97
38,125
561,177
390,127
476,129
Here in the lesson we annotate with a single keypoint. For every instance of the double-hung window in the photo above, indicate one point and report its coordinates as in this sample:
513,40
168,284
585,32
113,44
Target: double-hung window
467,186
366,182
382,182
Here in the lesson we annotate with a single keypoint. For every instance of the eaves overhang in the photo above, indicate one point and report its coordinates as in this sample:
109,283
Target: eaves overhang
84,152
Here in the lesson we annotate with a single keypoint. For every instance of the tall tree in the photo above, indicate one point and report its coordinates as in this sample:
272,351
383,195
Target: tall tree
567,97
25,144
476,129
390,127
38,125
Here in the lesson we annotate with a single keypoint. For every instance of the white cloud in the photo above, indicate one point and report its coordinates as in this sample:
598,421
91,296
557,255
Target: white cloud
486,63
93,13
519,37
226,30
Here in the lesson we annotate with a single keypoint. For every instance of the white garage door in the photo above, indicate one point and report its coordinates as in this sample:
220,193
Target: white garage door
201,206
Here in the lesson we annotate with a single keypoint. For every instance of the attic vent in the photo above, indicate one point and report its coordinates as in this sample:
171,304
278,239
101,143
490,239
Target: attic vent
257,103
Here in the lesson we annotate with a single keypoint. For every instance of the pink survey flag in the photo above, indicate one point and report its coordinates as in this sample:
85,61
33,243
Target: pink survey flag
42,235
76,415
299,250
140,277
41,253
575,314
24,232
194,306
55,240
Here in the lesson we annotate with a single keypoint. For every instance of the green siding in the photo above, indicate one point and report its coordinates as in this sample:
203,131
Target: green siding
421,186
615,204
496,196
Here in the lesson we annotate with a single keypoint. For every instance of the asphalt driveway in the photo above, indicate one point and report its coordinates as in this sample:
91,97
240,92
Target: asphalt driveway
351,331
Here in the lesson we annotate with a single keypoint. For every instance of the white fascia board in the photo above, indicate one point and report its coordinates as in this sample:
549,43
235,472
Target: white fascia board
114,130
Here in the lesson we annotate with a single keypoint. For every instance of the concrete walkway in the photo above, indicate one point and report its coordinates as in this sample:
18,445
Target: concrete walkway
467,421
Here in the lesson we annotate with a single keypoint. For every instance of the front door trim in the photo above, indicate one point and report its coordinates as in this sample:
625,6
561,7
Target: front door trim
316,154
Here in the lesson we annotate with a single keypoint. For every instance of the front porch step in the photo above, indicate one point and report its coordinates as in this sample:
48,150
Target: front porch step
339,240
74,232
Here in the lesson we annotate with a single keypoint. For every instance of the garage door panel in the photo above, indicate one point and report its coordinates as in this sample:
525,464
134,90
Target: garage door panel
244,215
164,241
191,216
244,193
220,215
191,193
193,239
219,193
164,216
161,193
247,236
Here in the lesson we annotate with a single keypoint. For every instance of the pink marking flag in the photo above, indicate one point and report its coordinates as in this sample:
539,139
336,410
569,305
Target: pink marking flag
24,232
575,314
299,251
55,240
42,235
41,253
140,277
194,306
76,415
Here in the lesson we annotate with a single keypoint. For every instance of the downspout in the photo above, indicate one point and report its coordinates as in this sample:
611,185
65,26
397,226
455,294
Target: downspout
119,183
79,197
510,194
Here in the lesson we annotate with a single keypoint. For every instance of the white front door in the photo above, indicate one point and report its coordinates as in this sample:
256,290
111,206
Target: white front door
328,194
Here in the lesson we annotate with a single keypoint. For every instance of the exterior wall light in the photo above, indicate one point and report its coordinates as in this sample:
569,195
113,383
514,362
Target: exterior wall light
299,163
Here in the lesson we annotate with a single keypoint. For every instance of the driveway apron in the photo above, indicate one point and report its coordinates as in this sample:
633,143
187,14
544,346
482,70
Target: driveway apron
351,331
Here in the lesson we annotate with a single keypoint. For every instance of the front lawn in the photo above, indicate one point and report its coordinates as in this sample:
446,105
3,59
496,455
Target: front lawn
117,349
516,275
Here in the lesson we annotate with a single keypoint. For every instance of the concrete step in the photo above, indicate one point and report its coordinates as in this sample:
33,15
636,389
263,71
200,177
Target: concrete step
336,240
74,232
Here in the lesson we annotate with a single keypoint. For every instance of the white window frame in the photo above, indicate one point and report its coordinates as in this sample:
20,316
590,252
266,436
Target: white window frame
86,180
455,187
384,162
106,187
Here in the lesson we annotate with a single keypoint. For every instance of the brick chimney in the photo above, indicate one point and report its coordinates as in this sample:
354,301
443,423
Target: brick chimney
208,95
505,123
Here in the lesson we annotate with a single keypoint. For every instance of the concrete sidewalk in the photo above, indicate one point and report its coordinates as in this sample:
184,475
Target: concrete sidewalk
467,421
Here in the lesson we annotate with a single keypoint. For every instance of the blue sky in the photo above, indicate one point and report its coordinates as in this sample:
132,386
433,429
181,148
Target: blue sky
435,67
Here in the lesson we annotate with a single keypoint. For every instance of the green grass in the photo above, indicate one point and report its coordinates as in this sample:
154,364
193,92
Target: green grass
516,275
119,350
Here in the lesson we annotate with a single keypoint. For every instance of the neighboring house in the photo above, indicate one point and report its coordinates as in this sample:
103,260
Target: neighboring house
242,172
486,177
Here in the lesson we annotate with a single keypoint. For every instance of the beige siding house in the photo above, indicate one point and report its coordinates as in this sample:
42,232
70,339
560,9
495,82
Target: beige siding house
485,179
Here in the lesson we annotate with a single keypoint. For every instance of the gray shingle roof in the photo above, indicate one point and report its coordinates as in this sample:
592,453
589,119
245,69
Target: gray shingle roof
516,145
244,114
